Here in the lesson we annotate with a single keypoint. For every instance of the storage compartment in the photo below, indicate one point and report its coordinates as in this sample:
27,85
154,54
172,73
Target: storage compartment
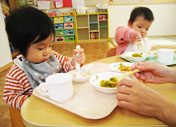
103,17
82,21
103,24
59,39
93,18
94,27
103,33
83,34
69,32
58,20
69,38
68,18
68,26
59,26
59,32
94,35
102,10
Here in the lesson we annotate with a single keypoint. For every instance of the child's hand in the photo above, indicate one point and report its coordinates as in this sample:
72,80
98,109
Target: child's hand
78,56
137,37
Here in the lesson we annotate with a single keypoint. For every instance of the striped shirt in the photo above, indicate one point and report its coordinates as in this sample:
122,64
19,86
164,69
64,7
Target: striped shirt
17,87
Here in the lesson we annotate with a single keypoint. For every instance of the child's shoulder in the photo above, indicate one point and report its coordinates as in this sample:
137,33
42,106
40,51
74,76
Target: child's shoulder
15,70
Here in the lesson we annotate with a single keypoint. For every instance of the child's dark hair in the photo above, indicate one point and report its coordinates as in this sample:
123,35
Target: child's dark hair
141,11
28,25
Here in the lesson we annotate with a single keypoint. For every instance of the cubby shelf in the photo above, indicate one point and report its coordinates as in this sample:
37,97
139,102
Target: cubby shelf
78,28
95,25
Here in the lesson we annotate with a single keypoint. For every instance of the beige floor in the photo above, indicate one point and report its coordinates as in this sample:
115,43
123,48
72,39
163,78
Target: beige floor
93,51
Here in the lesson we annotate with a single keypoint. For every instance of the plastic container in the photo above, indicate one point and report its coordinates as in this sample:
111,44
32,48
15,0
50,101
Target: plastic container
165,56
58,26
91,10
102,7
81,10
59,39
68,18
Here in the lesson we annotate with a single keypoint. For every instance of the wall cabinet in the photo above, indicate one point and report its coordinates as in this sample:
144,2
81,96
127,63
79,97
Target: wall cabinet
79,28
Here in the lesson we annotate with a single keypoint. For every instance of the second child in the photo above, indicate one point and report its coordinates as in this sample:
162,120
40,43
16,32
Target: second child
139,23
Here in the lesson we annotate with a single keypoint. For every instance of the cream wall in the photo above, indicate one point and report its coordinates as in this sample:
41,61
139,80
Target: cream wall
164,14
5,54
164,24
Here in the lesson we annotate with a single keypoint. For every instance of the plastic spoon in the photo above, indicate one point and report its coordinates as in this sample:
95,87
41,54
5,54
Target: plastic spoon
142,47
77,64
77,50
126,74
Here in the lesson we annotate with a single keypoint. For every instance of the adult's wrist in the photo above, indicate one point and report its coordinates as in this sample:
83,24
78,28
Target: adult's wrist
167,112
172,75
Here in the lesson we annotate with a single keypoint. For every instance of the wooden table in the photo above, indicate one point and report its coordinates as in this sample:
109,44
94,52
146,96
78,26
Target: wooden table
37,112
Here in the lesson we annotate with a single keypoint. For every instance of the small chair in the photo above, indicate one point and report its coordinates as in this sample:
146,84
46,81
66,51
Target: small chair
111,52
16,119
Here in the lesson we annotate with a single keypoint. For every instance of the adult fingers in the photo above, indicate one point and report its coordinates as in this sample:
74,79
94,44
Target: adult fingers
121,97
123,90
123,82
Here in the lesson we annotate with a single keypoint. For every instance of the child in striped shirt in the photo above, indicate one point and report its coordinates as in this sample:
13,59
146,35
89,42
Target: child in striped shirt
31,32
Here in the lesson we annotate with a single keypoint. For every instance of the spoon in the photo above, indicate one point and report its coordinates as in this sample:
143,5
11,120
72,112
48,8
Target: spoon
142,47
126,74
77,64
77,50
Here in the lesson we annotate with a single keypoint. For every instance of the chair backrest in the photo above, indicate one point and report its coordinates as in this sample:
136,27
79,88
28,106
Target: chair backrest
16,119
111,52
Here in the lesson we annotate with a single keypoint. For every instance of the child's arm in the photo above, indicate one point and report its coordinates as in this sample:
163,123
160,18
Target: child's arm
17,88
65,61
125,35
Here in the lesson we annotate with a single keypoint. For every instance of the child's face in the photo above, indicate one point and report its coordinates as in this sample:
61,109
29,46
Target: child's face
140,25
41,51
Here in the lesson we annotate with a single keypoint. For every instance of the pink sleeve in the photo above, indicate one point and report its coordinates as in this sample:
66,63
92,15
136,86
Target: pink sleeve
123,34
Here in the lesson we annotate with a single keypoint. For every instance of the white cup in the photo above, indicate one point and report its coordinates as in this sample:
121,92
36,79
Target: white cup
59,85
165,56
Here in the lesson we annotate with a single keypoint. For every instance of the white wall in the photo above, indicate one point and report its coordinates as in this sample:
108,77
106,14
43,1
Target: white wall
5,54
164,14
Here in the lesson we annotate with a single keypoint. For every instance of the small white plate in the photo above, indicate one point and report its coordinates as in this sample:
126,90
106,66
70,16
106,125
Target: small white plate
115,66
97,78
129,55
152,54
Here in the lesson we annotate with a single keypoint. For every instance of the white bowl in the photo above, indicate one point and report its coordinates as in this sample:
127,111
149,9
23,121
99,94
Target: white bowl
81,75
115,66
152,54
129,56
97,78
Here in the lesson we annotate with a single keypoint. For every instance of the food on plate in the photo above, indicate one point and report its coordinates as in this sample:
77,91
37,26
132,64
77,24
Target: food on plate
111,83
137,55
123,67
82,73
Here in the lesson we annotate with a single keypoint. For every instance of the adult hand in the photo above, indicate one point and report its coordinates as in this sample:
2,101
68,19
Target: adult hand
154,72
137,97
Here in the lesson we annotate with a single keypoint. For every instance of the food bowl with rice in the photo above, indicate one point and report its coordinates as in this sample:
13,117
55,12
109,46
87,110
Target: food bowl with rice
81,75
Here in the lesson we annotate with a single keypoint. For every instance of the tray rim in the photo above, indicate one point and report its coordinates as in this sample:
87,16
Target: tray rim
149,59
35,93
